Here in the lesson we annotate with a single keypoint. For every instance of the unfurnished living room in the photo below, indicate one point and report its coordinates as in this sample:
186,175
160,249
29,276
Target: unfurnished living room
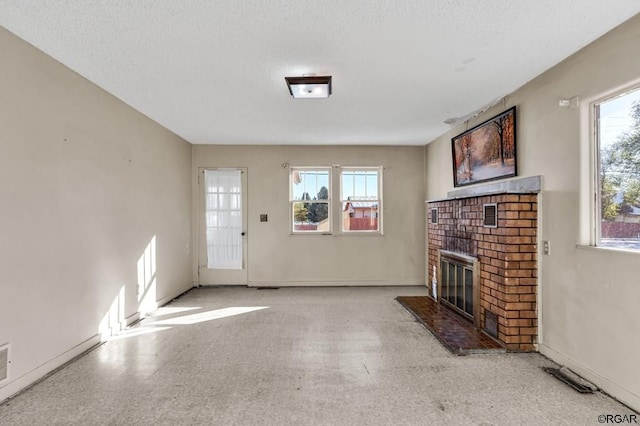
331,213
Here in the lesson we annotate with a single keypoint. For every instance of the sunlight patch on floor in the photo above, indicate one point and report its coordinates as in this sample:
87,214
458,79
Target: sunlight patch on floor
160,312
137,332
208,316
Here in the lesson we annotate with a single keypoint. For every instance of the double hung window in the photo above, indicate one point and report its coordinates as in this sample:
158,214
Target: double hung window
617,212
361,199
359,195
310,200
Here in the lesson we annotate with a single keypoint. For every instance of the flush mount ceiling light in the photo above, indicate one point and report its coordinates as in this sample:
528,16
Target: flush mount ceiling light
309,87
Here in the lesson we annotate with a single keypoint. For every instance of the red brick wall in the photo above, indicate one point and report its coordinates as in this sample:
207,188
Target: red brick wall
507,256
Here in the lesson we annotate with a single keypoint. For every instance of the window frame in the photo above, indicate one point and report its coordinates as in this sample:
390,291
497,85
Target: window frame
595,126
379,200
293,201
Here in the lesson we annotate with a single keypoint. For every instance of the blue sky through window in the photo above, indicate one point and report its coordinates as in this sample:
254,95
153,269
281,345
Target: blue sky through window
615,117
360,184
355,183
309,181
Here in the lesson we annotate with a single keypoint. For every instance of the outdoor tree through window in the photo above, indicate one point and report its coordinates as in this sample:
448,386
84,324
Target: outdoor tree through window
618,134
310,200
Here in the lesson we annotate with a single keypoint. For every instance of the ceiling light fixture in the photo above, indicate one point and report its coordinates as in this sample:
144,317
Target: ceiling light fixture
309,87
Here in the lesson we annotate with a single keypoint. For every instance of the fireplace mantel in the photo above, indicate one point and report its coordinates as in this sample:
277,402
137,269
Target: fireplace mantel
523,185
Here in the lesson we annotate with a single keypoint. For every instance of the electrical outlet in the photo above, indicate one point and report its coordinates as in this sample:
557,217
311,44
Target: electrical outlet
546,248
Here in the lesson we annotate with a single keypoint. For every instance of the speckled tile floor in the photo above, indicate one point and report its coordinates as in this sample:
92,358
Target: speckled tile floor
325,356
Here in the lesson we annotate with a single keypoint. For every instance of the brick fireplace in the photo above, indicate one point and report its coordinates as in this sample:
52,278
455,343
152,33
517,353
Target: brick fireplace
495,225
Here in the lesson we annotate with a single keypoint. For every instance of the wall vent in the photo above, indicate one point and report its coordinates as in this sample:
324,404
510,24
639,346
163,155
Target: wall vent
434,216
490,215
4,362
491,323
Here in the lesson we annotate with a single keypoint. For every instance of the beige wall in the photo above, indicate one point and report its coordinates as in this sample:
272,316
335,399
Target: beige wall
588,297
85,184
277,258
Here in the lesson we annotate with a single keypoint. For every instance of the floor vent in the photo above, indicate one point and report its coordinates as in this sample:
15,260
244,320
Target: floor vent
571,379
491,323
268,288
4,362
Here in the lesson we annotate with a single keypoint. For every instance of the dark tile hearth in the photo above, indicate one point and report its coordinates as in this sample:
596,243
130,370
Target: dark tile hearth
454,332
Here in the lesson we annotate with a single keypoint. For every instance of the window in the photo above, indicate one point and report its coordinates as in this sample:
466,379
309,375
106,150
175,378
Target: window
360,194
617,122
361,199
310,200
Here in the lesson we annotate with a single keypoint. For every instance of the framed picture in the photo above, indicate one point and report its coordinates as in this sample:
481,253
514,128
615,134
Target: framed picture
486,152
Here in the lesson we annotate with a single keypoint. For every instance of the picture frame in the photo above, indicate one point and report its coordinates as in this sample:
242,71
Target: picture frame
487,151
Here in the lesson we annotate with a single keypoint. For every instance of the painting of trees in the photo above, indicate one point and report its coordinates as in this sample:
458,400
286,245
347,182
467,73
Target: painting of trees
486,152
464,155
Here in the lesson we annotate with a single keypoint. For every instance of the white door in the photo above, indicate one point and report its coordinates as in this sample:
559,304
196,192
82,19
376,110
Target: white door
222,238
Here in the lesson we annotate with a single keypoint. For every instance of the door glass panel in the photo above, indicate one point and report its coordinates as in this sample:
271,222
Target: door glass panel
223,218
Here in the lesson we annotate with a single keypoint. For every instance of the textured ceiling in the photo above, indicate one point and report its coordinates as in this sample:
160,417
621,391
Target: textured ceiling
213,71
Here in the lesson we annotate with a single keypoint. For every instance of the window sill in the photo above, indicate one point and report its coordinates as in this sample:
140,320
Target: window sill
339,234
362,234
611,250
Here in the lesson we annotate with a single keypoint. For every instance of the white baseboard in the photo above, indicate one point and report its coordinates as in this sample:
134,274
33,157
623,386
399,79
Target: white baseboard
175,294
623,395
14,386
20,383
132,319
368,283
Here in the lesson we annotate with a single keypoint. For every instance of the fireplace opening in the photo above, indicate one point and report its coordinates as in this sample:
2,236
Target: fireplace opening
458,284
